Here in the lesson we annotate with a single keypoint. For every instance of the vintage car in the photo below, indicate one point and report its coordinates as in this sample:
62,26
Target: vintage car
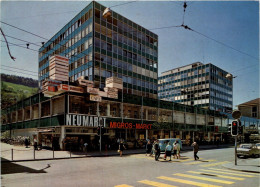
248,150
257,145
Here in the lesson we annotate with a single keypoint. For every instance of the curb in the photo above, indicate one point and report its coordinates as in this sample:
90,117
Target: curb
246,171
87,156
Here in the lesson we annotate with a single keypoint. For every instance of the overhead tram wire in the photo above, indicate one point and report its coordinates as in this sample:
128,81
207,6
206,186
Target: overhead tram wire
18,72
123,4
7,45
22,40
225,44
21,46
184,26
19,69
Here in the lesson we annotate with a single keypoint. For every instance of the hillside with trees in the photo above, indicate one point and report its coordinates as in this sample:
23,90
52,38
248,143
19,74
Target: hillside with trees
19,80
15,88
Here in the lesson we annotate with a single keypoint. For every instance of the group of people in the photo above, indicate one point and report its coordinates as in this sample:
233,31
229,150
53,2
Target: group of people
175,148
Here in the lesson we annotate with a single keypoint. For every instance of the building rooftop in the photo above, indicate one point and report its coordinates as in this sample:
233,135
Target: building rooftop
250,103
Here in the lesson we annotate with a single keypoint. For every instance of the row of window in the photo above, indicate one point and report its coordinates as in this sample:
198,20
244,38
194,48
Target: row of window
68,32
183,83
184,74
125,40
127,28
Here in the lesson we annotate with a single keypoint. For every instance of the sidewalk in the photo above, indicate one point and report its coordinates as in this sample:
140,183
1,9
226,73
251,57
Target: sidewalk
247,165
20,153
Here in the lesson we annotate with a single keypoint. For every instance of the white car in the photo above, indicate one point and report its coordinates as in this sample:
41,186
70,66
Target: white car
248,150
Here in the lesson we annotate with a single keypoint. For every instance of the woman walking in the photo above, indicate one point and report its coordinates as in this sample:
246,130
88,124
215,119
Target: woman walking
168,151
121,148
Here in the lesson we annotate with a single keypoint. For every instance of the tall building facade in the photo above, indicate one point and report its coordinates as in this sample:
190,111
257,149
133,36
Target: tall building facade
99,48
198,84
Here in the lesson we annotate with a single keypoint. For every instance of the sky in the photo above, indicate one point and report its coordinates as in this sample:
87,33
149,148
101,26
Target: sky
225,33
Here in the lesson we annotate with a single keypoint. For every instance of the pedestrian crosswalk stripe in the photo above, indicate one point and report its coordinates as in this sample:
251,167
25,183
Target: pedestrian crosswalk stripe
123,185
204,178
216,175
187,182
236,171
228,173
214,164
199,162
157,184
185,160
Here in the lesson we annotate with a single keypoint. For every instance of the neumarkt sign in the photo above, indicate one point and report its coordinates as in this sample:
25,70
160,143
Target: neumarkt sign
85,120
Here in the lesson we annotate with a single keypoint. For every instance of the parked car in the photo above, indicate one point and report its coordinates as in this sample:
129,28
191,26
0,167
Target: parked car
257,145
248,150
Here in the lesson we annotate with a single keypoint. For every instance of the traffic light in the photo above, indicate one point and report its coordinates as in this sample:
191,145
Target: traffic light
240,128
234,128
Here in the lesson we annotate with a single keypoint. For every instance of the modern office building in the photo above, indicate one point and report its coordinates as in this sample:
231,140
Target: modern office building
250,108
197,84
99,47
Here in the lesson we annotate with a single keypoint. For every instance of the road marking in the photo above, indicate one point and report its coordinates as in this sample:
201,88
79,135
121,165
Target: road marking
157,184
186,182
228,173
214,164
123,185
215,175
186,160
200,162
204,178
247,173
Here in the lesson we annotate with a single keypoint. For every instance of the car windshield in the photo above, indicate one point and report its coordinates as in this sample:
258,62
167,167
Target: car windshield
246,146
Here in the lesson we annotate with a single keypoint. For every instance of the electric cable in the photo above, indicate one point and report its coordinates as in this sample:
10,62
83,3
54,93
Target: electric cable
122,4
13,58
19,69
21,46
18,72
22,40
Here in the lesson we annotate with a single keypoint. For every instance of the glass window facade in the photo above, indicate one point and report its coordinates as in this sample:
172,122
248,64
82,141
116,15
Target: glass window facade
98,48
203,85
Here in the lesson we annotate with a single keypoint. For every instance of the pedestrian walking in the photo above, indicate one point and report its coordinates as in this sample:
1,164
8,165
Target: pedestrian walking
149,147
195,149
121,148
168,151
157,150
175,150
85,147
178,150
26,142
35,145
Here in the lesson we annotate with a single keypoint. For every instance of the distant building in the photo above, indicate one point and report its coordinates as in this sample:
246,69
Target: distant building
197,84
250,108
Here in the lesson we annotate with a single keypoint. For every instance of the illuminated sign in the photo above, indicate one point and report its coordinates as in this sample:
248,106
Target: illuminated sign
85,120
121,125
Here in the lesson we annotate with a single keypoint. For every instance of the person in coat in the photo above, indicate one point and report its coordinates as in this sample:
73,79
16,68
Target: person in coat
195,150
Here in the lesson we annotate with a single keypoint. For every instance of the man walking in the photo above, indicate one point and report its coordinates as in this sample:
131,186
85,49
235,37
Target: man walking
157,150
195,149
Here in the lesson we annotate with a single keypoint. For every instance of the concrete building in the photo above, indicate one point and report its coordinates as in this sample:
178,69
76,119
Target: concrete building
197,84
250,108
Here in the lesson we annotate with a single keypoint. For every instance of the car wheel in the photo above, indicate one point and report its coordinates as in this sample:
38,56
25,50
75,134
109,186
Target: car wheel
253,155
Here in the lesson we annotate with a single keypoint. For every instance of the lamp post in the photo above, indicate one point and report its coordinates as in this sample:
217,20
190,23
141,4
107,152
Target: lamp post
235,114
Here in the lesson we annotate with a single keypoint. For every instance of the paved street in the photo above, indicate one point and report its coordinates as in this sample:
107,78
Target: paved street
131,170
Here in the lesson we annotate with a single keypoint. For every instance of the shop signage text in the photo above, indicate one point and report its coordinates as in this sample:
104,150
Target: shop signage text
121,125
85,121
